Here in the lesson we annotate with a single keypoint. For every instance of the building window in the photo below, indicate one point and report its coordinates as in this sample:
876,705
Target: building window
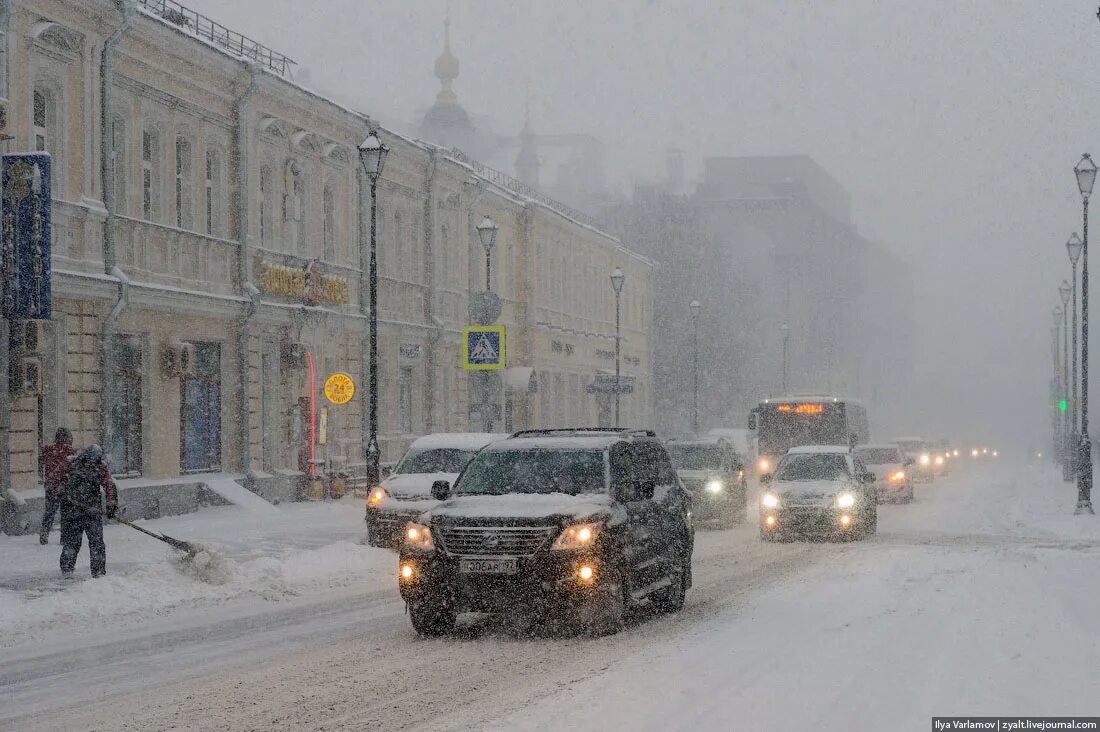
126,412
118,164
395,252
183,184
149,178
265,207
405,400
200,411
330,226
213,189
294,214
3,64
41,139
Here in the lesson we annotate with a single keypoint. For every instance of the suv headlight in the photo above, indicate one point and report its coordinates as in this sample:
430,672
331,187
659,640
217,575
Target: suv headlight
577,536
764,465
845,500
769,500
714,486
376,496
419,536
925,459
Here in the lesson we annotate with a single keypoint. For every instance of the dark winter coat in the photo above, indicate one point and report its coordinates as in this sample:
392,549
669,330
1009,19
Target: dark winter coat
89,482
56,460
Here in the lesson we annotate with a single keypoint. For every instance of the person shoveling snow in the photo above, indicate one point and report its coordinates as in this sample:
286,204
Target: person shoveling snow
80,512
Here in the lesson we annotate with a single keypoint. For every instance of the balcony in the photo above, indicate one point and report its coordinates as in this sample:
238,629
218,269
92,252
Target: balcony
163,255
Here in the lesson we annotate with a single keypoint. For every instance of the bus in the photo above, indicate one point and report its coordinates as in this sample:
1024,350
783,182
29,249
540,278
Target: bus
781,424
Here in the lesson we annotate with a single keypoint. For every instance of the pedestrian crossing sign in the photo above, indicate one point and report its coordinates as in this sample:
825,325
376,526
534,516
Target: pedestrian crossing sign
483,347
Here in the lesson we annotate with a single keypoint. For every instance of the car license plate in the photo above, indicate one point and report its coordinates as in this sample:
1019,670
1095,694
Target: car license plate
503,565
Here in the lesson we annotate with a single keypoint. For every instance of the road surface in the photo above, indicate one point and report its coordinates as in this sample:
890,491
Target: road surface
978,599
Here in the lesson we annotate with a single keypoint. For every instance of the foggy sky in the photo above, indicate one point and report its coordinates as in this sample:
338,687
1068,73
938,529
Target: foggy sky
954,125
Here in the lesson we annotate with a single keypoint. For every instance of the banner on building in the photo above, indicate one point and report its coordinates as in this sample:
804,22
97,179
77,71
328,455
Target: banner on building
25,236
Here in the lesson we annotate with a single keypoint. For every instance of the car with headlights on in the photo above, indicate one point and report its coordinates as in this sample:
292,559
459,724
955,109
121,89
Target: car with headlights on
713,472
893,483
921,453
577,524
819,489
407,492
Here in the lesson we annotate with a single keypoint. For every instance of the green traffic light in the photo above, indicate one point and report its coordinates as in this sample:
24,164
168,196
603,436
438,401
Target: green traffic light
1062,405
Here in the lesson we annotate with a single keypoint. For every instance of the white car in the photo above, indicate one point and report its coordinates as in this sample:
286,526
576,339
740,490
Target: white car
820,489
407,492
893,479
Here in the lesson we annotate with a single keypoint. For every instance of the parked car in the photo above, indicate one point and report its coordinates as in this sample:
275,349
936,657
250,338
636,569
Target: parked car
582,524
893,481
714,472
819,489
406,492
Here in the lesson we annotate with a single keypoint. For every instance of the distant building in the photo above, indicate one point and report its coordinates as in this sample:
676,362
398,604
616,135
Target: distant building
765,242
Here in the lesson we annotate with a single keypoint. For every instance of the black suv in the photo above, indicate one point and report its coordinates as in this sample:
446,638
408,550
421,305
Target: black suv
584,524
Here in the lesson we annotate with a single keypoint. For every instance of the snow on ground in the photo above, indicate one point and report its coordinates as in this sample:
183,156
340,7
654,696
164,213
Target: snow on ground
980,599
293,550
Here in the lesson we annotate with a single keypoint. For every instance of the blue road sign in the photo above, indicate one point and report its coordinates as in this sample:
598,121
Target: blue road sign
25,239
483,347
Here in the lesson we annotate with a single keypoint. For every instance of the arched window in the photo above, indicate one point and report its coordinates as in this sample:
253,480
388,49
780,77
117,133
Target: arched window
150,174
265,207
118,164
330,225
184,207
214,194
47,129
294,213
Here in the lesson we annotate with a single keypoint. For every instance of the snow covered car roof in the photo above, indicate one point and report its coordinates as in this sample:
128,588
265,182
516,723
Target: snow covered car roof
879,446
819,450
558,442
460,440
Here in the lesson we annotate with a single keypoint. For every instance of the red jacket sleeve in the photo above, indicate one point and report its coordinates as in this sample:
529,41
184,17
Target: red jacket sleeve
110,492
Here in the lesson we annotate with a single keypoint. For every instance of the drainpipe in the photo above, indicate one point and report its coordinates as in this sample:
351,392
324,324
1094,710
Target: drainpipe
244,268
110,263
433,290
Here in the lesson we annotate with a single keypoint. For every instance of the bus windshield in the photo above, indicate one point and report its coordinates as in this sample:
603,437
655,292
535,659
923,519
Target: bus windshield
785,425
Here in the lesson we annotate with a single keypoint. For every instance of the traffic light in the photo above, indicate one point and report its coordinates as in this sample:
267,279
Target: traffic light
1062,405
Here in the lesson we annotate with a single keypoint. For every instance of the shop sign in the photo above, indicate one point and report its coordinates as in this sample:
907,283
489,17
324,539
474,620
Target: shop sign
339,388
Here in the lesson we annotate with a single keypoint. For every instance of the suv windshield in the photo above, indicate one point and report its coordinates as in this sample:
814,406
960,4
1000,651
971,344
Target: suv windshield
695,457
879,456
534,471
813,466
438,460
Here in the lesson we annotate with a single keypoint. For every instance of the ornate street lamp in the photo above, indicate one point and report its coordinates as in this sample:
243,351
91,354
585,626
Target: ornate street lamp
1073,249
1085,170
487,232
617,279
372,157
695,308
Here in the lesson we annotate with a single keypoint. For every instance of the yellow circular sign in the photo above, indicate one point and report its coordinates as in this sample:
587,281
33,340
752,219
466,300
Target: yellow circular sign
339,388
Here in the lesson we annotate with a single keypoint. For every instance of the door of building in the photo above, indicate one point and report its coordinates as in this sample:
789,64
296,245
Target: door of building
200,411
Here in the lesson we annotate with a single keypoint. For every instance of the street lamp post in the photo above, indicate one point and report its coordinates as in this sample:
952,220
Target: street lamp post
487,232
617,278
1085,171
786,330
1058,316
695,308
1073,249
1067,432
372,156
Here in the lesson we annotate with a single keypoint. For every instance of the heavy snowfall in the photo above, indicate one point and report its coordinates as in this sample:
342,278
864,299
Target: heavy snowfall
976,599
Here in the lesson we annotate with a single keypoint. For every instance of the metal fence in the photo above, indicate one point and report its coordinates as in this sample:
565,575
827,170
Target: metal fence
216,33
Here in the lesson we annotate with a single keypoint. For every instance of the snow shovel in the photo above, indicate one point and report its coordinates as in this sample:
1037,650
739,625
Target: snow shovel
187,548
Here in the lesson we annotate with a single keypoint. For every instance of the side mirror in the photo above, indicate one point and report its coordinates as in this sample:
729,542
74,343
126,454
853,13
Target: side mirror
645,490
441,490
869,477
765,478
752,420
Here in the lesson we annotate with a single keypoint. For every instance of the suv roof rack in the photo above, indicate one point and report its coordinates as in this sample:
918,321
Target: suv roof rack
582,430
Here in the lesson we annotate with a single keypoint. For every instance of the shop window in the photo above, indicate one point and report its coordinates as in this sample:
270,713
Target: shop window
200,411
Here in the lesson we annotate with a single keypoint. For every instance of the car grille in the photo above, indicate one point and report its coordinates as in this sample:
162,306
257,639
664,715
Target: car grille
480,541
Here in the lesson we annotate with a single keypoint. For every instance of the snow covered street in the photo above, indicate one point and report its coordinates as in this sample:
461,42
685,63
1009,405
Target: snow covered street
978,599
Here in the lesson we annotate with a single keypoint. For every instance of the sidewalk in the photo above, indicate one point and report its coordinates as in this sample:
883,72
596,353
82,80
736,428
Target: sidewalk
294,550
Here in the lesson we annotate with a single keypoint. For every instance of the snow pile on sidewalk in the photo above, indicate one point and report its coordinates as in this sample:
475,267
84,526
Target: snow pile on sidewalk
303,551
